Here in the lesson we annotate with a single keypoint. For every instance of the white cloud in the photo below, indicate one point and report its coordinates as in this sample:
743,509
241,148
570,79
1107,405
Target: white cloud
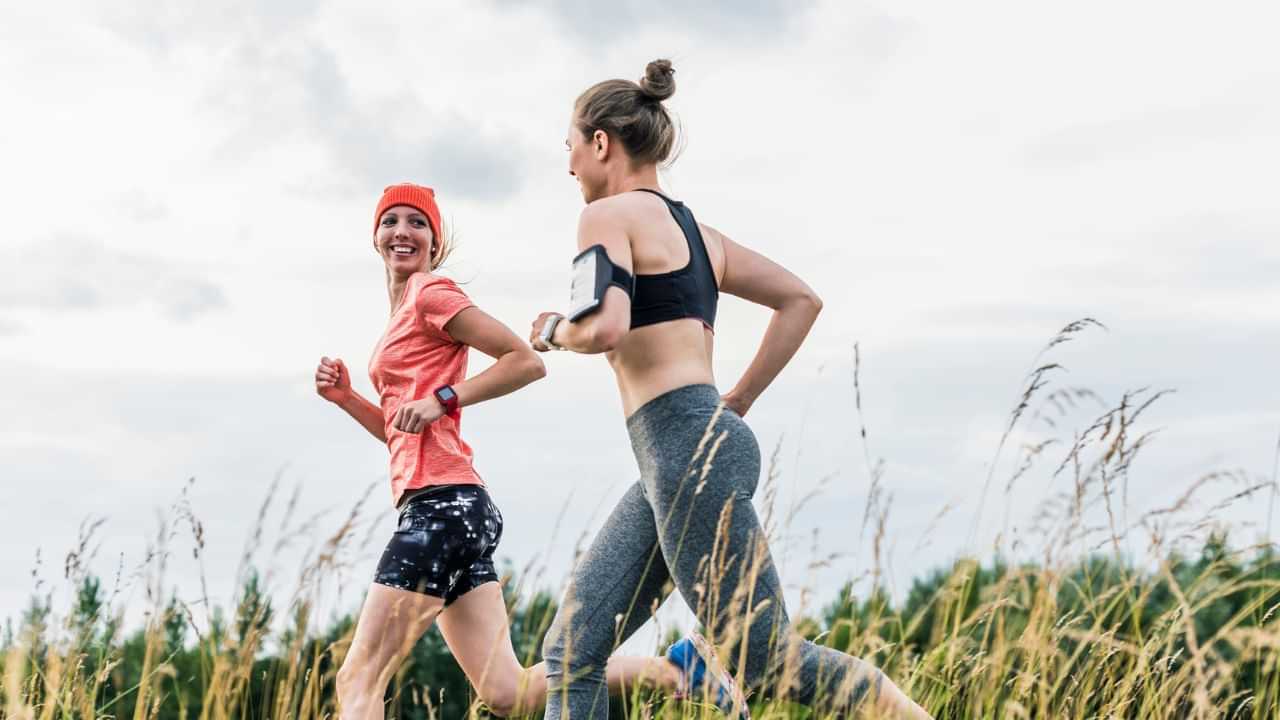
1149,131
591,22
68,273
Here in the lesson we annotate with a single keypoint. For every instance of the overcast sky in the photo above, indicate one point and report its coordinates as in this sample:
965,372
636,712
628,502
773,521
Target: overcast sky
188,190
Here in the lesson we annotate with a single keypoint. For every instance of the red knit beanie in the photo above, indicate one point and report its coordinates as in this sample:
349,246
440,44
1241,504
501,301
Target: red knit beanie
415,196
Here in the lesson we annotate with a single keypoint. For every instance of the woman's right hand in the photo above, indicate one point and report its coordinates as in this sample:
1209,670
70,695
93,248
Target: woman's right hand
333,382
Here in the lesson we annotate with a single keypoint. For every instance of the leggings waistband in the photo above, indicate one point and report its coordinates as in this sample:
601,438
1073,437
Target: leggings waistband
683,399
433,490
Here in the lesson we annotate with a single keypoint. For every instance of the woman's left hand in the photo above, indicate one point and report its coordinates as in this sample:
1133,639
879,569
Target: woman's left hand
535,334
413,417
737,404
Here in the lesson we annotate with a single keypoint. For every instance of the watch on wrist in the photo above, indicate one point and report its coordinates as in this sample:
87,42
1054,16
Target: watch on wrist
549,332
448,400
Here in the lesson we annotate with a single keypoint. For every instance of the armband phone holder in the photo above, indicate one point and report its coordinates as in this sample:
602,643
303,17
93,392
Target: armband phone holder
593,273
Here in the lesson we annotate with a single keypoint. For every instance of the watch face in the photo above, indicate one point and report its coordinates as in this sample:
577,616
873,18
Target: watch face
446,394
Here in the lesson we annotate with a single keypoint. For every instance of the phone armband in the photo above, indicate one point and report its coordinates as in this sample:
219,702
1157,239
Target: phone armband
593,273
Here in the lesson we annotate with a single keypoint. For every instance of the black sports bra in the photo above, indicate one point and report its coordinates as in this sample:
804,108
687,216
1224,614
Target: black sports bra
690,292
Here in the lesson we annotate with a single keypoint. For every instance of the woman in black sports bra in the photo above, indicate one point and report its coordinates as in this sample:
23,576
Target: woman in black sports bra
689,519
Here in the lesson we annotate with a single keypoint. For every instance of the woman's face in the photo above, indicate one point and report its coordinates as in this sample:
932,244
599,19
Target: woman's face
404,240
584,164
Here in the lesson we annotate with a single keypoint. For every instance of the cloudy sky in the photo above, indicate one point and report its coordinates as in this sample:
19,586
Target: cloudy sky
188,191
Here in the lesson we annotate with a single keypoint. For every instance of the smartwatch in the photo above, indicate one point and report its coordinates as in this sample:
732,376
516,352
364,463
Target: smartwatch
549,331
449,400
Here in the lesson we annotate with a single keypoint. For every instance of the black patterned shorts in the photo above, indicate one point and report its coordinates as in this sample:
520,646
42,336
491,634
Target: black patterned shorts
444,544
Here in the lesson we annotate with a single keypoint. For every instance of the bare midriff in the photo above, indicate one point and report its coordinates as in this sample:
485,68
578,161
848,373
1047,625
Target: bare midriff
656,359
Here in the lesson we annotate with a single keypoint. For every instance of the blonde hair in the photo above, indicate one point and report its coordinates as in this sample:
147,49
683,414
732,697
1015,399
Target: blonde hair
444,242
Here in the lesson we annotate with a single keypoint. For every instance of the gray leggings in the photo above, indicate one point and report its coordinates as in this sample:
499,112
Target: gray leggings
689,520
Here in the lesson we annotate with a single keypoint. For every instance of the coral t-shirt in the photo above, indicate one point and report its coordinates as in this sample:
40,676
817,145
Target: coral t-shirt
414,357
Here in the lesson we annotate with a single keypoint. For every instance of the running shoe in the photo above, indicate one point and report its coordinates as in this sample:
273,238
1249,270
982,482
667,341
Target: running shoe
704,676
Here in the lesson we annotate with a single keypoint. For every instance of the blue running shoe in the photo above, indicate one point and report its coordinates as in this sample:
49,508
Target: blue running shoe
705,677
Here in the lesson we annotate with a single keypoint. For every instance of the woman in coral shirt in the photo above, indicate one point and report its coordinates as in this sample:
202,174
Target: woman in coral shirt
438,566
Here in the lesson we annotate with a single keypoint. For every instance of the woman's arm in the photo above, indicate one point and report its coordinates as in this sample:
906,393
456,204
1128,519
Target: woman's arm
516,366
367,414
602,330
333,383
752,276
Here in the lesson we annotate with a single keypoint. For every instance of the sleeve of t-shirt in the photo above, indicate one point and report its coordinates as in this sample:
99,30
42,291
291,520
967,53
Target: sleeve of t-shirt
438,302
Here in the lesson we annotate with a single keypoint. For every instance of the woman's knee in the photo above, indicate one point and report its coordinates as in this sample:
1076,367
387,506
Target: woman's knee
349,680
553,646
861,685
570,650
501,699
359,676
568,640
510,690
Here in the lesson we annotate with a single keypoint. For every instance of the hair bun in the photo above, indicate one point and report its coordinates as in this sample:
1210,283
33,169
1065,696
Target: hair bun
659,81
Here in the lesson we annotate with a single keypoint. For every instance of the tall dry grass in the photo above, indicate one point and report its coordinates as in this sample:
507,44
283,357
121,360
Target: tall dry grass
1066,621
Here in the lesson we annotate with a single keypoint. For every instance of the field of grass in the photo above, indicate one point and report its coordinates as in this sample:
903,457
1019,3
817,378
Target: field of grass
1189,628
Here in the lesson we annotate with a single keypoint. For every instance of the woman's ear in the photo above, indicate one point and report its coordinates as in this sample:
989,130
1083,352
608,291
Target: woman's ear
601,140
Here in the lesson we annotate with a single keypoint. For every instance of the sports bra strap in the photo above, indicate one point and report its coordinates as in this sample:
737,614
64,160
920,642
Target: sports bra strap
689,292
688,227
659,194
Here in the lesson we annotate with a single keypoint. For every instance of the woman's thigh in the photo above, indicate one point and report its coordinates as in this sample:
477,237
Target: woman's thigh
699,479
476,628
391,621
713,543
